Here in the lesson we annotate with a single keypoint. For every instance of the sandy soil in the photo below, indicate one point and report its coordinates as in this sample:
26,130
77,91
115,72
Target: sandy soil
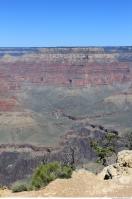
82,183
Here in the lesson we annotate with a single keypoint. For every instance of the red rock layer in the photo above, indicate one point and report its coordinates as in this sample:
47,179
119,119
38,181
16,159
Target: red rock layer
63,74
76,68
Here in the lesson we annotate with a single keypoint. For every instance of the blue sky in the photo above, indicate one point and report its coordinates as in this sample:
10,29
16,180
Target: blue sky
65,22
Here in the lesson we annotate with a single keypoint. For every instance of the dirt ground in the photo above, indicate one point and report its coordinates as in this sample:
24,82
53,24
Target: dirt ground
82,184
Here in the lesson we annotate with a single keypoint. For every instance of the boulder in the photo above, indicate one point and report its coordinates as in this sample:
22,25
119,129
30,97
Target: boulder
124,158
113,171
121,171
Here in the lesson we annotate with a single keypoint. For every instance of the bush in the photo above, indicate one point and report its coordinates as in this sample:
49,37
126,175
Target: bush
49,172
65,172
44,174
102,152
19,186
111,138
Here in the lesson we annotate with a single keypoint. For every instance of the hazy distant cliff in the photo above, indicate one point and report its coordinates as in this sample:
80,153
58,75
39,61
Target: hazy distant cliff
65,66
40,86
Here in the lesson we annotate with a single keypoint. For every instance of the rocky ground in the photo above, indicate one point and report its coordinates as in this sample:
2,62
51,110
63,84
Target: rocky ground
84,183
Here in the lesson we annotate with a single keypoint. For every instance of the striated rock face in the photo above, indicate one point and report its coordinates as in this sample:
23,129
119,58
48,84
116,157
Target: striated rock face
41,88
79,67
25,73
69,67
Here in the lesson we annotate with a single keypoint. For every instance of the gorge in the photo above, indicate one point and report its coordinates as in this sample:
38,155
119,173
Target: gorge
51,98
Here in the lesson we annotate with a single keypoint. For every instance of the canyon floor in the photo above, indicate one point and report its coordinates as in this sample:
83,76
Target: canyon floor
82,184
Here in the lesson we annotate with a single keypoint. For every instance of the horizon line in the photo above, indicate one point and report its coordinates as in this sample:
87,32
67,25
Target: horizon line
90,46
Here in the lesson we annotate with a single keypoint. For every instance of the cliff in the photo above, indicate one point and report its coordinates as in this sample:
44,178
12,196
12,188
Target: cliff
65,66
86,184
18,162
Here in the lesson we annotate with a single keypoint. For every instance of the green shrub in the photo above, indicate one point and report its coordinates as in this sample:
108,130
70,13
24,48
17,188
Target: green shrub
111,138
102,152
44,174
49,172
65,172
19,186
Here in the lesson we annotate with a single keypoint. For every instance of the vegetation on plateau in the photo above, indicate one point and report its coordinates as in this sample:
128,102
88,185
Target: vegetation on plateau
43,175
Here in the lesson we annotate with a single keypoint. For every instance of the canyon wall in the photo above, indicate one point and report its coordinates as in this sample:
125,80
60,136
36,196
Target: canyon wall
44,92
79,67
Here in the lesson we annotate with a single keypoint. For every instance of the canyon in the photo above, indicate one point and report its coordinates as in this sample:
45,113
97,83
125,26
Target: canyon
55,98
45,84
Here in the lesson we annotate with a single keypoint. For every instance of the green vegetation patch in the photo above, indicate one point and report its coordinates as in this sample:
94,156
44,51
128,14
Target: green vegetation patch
41,177
49,172
20,186
105,150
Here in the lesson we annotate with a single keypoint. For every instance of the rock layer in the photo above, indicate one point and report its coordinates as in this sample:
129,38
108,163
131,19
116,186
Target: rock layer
65,66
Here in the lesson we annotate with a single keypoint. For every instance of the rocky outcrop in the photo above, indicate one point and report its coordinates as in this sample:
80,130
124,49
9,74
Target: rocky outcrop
121,171
125,158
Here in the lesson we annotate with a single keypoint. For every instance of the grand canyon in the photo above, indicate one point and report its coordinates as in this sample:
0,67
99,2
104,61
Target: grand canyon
55,99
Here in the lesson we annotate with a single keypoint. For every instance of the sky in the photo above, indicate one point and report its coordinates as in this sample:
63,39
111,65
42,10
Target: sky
43,23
